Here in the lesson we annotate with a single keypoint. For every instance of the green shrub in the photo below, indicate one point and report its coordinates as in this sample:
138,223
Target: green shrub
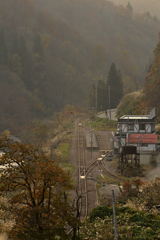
103,124
100,212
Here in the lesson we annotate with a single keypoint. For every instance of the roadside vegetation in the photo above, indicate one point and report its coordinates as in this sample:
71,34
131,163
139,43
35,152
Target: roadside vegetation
137,213
39,205
63,154
64,150
102,124
131,104
37,190
132,224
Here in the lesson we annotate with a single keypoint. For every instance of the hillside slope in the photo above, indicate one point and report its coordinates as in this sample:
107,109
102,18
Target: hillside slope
127,39
141,6
44,59
152,83
148,98
53,50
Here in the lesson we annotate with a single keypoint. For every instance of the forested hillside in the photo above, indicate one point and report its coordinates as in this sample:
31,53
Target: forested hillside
121,36
43,64
152,83
151,6
51,52
142,101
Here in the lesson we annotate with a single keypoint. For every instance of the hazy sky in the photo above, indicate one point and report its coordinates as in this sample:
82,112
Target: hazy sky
152,6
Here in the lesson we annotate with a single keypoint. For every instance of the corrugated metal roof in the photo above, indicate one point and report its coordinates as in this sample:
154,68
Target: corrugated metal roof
136,117
151,115
142,138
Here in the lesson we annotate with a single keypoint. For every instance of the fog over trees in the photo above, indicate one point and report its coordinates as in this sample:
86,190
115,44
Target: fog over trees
53,51
68,70
141,6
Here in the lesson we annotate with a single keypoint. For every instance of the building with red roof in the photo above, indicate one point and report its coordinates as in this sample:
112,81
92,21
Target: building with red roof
137,130
146,142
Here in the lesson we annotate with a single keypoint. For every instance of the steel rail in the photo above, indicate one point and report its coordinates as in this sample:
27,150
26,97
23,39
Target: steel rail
82,183
107,172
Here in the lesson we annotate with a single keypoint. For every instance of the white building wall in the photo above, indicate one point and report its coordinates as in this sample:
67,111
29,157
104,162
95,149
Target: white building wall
148,148
124,128
148,128
136,128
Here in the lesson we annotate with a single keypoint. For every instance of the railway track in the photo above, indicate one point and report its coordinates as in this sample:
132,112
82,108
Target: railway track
107,172
86,165
82,182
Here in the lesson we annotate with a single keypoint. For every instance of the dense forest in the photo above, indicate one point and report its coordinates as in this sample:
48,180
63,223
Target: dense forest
118,34
148,97
143,6
42,63
52,51
152,83
104,95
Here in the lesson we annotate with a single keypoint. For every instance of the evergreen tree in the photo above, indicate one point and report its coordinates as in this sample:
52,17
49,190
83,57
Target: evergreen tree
92,97
3,49
15,43
26,62
130,8
120,84
14,61
114,87
101,96
37,45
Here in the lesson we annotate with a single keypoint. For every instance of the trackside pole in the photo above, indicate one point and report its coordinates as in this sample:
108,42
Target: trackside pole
114,217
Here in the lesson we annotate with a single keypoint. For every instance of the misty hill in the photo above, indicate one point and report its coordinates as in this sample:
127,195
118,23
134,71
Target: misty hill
141,6
43,64
125,38
53,50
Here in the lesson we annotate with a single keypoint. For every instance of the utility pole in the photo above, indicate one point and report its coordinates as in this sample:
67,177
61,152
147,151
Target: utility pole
109,101
91,145
96,98
114,217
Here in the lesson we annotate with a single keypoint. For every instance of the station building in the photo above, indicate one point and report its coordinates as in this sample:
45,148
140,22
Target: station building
137,130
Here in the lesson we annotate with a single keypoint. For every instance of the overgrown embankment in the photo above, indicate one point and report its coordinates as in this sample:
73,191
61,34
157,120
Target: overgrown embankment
100,124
